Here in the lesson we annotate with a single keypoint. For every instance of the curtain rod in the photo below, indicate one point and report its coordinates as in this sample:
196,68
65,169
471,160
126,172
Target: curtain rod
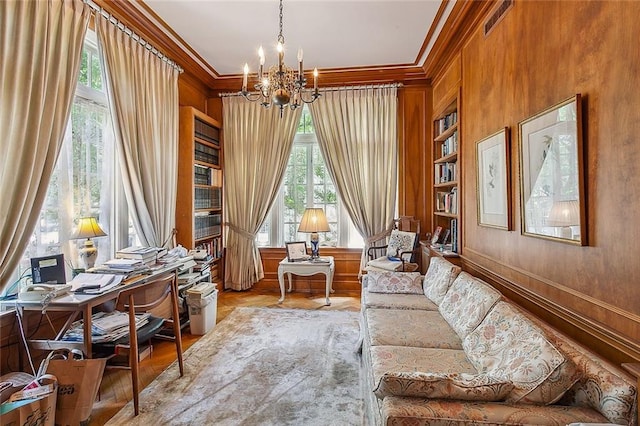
334,89
128,31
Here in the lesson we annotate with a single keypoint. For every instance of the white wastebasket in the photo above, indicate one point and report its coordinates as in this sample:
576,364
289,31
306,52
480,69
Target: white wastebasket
202,312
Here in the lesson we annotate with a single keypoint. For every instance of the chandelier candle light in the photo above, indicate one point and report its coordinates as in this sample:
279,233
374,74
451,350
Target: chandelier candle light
88,228
280,85
314,221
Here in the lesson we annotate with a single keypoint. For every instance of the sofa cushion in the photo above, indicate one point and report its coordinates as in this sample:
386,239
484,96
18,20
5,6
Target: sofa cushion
394,282
439,277
467,387
401,327
467,302
388,359
506,344
397,301
401,241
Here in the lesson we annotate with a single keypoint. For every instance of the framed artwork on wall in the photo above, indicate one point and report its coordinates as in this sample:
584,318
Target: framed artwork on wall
494,182
552,174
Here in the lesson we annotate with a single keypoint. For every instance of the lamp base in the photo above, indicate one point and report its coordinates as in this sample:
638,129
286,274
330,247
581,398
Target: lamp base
315,246
88,254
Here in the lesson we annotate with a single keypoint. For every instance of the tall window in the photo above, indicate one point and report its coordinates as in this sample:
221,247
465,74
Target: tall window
307,184
82,183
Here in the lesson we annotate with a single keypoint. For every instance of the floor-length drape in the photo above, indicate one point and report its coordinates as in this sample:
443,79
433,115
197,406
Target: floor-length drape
40,51
143,96
257,147
357,134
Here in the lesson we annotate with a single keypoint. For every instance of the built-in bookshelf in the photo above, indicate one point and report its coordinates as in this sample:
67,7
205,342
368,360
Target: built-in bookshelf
199,209
446,176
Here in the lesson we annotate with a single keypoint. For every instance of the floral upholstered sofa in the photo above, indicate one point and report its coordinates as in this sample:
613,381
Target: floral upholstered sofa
449,349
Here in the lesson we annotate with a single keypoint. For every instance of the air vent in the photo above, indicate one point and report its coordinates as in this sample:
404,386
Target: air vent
497,15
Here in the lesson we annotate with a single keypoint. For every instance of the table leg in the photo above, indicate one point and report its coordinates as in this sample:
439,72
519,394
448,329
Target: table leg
328,279
281,282
87,330
290,282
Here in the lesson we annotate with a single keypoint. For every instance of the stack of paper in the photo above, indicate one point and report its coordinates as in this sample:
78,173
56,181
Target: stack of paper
105,327
94,283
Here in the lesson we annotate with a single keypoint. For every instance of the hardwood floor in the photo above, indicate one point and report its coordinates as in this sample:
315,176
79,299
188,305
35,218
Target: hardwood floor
115,390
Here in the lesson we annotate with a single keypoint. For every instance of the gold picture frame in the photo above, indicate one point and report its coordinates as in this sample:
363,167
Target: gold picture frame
552,199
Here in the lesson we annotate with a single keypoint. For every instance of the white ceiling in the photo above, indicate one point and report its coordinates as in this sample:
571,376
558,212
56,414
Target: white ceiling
334,34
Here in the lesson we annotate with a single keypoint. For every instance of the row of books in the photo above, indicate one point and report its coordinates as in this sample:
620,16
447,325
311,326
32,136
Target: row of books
207,225
206,154
445,172
207,198
445,122
450,145
206,131
213,247
203,175
447,202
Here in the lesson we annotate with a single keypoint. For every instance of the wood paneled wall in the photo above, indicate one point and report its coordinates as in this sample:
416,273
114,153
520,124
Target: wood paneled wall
539,54
414,179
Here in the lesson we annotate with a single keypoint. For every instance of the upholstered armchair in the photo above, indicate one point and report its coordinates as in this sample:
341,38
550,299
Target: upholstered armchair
399,254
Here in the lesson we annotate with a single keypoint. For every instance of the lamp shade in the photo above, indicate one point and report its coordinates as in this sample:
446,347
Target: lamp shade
564,213
313,220
88,227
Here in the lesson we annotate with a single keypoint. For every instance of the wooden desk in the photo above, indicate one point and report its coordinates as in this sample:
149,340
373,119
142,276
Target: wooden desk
77,304
306,268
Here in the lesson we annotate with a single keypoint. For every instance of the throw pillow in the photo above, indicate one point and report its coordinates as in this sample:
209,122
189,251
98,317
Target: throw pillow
506,344
401,241
394,282
467,302
466,387
438,279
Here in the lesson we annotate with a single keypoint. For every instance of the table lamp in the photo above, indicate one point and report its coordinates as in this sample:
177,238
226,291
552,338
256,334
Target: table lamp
88,228
314,221
564,214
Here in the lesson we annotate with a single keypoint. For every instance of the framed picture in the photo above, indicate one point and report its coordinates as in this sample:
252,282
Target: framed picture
552,174
494,183
436,235
297,251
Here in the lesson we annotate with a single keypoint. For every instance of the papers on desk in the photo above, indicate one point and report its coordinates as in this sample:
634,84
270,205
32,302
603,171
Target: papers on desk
94,283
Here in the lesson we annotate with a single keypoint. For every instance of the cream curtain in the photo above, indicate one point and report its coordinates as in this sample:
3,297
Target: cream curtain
40,51
357,134
257,147
143,96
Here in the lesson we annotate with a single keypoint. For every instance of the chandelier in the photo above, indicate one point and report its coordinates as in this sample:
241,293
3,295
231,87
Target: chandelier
280,85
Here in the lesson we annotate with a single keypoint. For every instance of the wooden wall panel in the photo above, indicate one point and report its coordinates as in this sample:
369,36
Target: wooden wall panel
414,177
446,85
539,54
192,92
345,280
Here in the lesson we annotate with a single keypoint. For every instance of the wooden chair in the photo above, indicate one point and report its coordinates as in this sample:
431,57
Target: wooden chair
143,299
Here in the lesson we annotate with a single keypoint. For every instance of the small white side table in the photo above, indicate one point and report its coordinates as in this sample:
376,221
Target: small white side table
306,268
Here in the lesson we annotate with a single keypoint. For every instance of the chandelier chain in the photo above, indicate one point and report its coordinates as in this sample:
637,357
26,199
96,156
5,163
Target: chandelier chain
281,36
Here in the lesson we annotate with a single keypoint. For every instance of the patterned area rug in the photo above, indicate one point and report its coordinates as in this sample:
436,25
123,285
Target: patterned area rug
262,366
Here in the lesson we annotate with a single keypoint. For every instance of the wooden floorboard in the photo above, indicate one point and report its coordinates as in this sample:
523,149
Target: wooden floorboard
115,389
